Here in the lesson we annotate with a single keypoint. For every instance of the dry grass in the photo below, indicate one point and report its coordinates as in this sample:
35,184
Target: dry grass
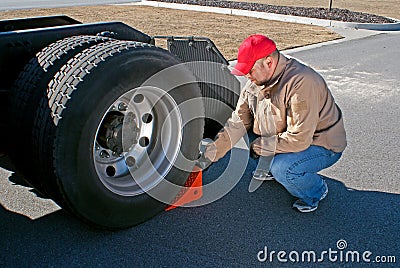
226,31
388,8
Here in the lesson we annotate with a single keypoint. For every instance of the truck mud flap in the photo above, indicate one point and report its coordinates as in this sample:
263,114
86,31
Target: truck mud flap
220,89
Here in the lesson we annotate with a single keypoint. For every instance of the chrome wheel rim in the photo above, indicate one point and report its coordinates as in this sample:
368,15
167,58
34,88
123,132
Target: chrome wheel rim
137,141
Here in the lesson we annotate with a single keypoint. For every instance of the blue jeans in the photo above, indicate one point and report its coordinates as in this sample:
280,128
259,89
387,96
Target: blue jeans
297,172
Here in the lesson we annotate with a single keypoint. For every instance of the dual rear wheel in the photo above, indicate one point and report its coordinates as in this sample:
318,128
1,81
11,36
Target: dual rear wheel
108,130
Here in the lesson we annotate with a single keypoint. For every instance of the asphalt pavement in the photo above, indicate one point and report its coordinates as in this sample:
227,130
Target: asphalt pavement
360,215
25,4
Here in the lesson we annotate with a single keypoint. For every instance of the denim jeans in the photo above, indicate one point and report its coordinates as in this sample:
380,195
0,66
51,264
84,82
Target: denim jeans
297,172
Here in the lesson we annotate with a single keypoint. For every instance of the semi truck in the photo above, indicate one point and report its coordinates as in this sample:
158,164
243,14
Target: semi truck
103,120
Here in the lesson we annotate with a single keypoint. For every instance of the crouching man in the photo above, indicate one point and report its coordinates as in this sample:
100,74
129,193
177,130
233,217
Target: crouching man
290,108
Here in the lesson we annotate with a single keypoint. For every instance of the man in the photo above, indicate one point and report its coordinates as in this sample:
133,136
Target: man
289,106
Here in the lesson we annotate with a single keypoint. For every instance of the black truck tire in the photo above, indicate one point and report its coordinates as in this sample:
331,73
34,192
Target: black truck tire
26,93
103,178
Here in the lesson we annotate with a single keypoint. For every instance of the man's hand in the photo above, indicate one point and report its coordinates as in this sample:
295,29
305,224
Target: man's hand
264,146
253,154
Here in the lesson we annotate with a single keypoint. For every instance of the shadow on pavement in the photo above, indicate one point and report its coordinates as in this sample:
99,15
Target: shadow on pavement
227,233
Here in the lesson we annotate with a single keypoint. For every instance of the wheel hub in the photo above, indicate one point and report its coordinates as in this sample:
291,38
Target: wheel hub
111,132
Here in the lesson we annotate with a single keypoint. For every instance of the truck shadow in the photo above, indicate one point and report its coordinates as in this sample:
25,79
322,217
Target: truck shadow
227,233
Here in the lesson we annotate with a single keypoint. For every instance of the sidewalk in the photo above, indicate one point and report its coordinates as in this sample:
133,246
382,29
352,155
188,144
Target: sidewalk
272,16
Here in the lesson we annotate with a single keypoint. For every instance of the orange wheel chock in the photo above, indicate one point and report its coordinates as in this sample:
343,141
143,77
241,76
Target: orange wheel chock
193,190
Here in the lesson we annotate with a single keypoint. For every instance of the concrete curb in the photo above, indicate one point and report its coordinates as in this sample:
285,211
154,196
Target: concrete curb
273,16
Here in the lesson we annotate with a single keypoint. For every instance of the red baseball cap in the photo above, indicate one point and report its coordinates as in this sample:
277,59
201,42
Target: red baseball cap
253,48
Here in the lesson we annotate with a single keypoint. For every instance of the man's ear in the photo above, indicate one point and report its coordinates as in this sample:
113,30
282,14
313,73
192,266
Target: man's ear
268,60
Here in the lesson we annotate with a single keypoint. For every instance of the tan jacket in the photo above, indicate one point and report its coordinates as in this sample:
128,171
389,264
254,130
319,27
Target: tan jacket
294,111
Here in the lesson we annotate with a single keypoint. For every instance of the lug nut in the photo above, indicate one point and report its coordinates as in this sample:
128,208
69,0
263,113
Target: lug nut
104,154
122,107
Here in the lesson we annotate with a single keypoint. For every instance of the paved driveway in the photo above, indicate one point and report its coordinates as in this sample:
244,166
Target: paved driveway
360,216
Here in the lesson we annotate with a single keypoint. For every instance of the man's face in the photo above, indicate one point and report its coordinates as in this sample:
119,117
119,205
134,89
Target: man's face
262,71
